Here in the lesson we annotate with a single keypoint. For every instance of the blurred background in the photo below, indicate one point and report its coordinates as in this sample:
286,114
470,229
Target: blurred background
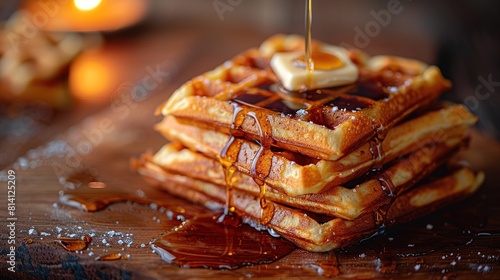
64,60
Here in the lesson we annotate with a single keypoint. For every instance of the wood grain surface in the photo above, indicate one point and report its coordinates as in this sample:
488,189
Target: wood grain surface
459,242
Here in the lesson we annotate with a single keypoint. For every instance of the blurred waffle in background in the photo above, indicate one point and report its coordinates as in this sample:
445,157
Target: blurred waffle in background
34,63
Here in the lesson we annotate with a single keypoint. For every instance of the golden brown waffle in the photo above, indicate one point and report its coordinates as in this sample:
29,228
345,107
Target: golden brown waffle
243,96
315,232
345,202
295,174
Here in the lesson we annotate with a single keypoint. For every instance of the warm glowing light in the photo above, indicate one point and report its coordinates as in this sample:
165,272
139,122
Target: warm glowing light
92,77
85,15
86,5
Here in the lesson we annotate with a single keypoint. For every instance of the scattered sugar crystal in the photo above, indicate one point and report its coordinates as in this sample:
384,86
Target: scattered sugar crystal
143,245
120,242
32,231
44,233
169,214
378,264
91,254
453,263
301,112
140,193
411,245
335,108
58,229
392,89
429,226
111,233
362,255
417,267
181,218
104,241
23,163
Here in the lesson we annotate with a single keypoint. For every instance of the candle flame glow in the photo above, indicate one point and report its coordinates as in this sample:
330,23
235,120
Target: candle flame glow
86,5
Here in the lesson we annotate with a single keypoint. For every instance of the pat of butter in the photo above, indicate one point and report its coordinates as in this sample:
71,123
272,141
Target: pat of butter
295,77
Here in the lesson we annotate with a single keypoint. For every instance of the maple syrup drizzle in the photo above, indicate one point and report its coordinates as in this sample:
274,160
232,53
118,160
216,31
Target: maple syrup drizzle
376,148
226,159
308,59
262,155
321,61
229,155
377,151
387,184
308,51
390,191
237,119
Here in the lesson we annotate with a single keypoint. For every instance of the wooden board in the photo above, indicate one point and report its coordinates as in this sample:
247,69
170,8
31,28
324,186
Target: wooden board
462,241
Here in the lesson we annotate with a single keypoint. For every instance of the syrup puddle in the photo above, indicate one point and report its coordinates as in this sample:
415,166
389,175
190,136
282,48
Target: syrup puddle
74,244
202,240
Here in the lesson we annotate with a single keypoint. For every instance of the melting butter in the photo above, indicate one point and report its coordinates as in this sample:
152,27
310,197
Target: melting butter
332,67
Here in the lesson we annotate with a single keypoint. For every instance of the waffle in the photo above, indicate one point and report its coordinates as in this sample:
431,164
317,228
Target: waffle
243,95
295,174
339,201
34,68
314,232
323,168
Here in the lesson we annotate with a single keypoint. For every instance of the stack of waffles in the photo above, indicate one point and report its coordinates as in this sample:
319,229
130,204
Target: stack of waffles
322,168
